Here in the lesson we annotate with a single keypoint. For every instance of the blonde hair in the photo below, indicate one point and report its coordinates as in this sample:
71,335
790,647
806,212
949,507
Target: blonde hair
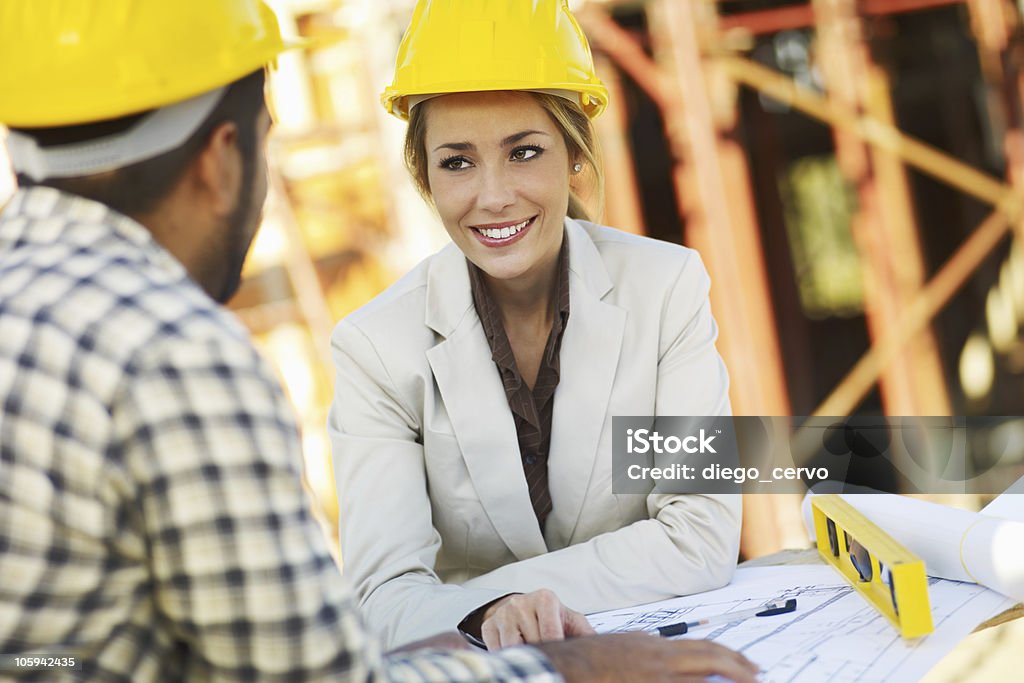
577,132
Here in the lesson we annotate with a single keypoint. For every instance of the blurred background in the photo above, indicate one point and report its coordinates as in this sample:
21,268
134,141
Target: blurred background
850,170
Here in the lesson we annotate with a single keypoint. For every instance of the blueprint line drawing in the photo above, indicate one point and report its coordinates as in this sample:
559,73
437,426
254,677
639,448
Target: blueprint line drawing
834,635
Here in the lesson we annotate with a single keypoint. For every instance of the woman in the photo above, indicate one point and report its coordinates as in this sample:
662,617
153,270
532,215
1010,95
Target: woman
471,425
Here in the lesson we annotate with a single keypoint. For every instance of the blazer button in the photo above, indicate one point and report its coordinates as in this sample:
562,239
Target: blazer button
531,459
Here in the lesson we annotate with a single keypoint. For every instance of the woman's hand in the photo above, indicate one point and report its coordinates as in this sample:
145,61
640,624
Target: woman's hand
531,618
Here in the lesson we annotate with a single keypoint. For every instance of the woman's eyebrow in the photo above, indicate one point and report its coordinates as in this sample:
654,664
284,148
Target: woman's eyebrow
510,140
457,146
516,137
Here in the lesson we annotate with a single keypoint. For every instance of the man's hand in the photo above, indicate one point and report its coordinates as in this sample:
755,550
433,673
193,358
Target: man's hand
531,618
646,658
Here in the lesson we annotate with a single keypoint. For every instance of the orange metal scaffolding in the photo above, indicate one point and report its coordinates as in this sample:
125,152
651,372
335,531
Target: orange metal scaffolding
695,53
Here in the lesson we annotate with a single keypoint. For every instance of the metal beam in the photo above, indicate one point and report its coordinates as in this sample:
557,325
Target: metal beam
919,312
622,205
626,52
722,223
793,17
924,157
883,227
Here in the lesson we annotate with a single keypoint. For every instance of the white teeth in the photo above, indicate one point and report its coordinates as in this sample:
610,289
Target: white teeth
503,233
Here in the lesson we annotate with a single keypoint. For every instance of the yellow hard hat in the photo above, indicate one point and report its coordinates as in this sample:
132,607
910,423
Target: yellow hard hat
474,45
69,62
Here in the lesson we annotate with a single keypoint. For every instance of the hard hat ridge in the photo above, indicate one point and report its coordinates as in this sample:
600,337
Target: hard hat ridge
479,45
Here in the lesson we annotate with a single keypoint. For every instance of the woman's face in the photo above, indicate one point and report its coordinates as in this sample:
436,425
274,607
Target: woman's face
499,176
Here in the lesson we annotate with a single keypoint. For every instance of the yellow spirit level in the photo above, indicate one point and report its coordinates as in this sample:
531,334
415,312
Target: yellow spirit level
888,575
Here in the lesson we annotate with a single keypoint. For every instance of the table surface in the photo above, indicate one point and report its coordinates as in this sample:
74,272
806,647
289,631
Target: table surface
810,556
990,653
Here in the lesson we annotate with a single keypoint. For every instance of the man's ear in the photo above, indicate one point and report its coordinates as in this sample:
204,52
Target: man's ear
218,169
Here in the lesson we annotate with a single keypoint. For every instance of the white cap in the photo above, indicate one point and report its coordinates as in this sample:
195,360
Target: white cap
158,132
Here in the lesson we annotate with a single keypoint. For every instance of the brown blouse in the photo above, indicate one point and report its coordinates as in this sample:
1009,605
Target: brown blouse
531,409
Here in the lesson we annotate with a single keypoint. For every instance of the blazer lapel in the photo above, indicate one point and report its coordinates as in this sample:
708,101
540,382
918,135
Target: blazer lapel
475,399
589,358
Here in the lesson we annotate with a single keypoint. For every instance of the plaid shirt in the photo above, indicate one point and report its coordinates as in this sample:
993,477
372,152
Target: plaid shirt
152,519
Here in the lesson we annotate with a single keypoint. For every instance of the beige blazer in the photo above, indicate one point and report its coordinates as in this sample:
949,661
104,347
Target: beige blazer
435,515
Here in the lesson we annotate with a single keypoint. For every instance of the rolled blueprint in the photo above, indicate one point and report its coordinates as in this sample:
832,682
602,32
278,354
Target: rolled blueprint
1009,504
954,544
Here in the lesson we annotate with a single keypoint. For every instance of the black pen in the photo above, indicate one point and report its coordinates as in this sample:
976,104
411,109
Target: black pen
768,610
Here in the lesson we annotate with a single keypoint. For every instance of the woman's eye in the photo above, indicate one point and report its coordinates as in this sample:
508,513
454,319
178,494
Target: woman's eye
454,163
525,153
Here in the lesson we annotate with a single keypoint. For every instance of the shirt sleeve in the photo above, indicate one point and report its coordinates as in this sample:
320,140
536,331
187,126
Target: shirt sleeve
390,550
241,574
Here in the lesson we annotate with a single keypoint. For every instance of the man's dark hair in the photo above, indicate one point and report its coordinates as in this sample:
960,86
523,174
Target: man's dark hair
138,188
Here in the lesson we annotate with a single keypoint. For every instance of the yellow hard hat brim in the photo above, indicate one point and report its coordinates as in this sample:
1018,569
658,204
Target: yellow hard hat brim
592,100
71,62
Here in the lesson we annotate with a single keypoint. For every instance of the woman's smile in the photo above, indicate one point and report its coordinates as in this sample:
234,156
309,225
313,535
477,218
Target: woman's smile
502,234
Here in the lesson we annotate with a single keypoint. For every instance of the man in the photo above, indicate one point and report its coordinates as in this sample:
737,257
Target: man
153,526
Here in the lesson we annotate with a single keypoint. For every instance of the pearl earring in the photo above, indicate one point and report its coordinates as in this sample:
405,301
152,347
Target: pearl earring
577,168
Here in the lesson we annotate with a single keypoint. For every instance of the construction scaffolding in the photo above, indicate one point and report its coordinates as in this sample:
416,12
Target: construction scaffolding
851,172
692,58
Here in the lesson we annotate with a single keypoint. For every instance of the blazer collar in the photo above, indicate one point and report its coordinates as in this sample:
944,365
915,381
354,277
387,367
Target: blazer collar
472,392
449,297
591,346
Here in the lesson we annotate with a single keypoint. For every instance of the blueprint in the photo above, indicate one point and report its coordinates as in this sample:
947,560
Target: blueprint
834,635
